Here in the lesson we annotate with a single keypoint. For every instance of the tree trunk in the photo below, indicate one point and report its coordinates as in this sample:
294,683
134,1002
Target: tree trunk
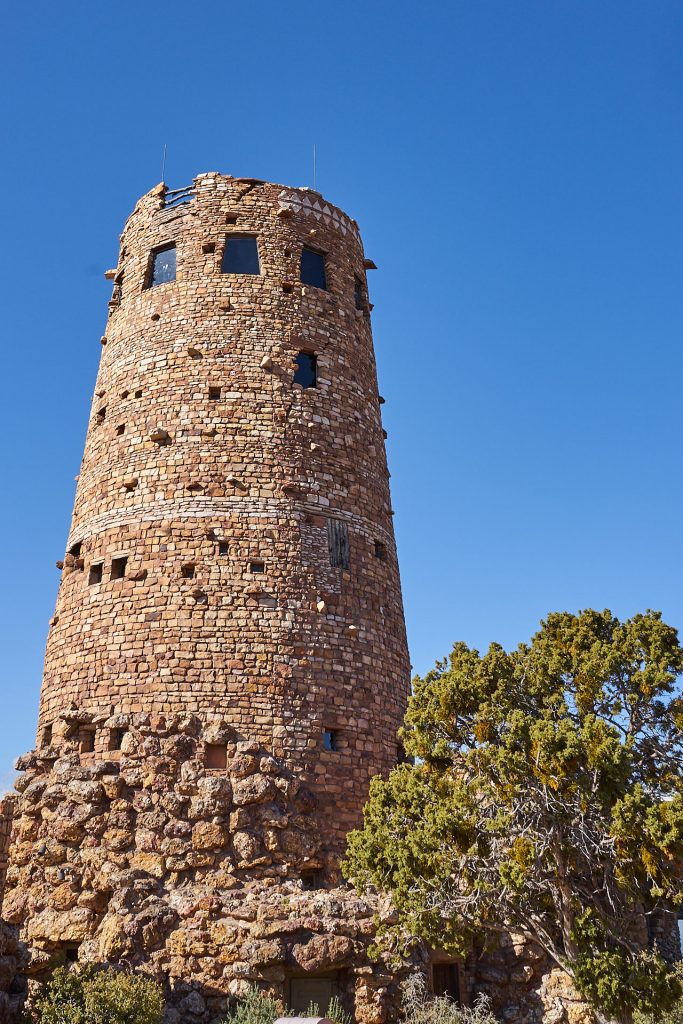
624,1018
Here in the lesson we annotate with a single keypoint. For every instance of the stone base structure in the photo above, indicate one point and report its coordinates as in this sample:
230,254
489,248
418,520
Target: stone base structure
210,880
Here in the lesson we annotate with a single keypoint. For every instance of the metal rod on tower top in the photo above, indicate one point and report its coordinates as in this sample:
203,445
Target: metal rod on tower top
314,168
163,164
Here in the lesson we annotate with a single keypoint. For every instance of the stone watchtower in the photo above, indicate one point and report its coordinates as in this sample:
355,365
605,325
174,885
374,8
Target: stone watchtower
227,667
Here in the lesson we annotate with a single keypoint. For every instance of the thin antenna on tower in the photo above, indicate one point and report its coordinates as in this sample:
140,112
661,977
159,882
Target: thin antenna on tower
163,163
314,169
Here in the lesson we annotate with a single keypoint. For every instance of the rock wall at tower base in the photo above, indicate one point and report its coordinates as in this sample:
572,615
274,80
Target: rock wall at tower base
207,878
211,880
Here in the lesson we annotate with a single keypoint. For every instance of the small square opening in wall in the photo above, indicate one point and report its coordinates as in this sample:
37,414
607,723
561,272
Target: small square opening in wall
118,567
214,394
86,741
121,429
187,571
331,739
138,393
216,755
223,548
71,954
102,414
116,737
380,550
75,549
95,574
311,880
257,566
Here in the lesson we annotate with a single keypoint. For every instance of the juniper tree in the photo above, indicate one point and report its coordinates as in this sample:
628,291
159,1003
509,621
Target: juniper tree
546,798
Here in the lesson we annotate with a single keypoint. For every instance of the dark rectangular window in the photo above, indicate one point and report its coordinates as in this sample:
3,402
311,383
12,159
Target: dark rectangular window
216,755
313,268
95,574
47,736
240,256
306,372
163,266
118,568
214,394
116,738
358,293
102,414
445,981
380,550
121,429
71,954
75,549
338,543
188,571
311,880
138,394
223,547
257,566
87,741
331,739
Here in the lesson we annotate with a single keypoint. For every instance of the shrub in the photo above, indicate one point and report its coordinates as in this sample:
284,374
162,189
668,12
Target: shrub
419,1007
255,1008
93,995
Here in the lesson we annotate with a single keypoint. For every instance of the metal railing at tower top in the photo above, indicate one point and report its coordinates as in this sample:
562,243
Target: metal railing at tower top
177,196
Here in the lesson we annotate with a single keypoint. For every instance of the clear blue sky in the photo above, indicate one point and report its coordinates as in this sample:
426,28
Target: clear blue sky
516,170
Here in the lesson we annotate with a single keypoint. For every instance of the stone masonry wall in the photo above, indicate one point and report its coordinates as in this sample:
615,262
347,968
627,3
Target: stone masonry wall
210,880
203,458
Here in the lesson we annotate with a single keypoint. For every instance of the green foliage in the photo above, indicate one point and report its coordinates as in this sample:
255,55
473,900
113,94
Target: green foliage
421,1008
99,996
546,797
256,1007
672,1016
259,1007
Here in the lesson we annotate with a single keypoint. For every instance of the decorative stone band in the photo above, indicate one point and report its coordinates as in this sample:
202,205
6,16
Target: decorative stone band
205,507
314,205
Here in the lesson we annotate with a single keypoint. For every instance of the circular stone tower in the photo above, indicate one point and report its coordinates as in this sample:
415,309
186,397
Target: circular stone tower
231,551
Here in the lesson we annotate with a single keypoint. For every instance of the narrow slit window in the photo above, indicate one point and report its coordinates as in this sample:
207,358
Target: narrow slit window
216,755
240,256
118,567
358,293
380,550
338,543
47,736
306,372
87,741
257,566
116,738
163,265
313,268
95,574
331,739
